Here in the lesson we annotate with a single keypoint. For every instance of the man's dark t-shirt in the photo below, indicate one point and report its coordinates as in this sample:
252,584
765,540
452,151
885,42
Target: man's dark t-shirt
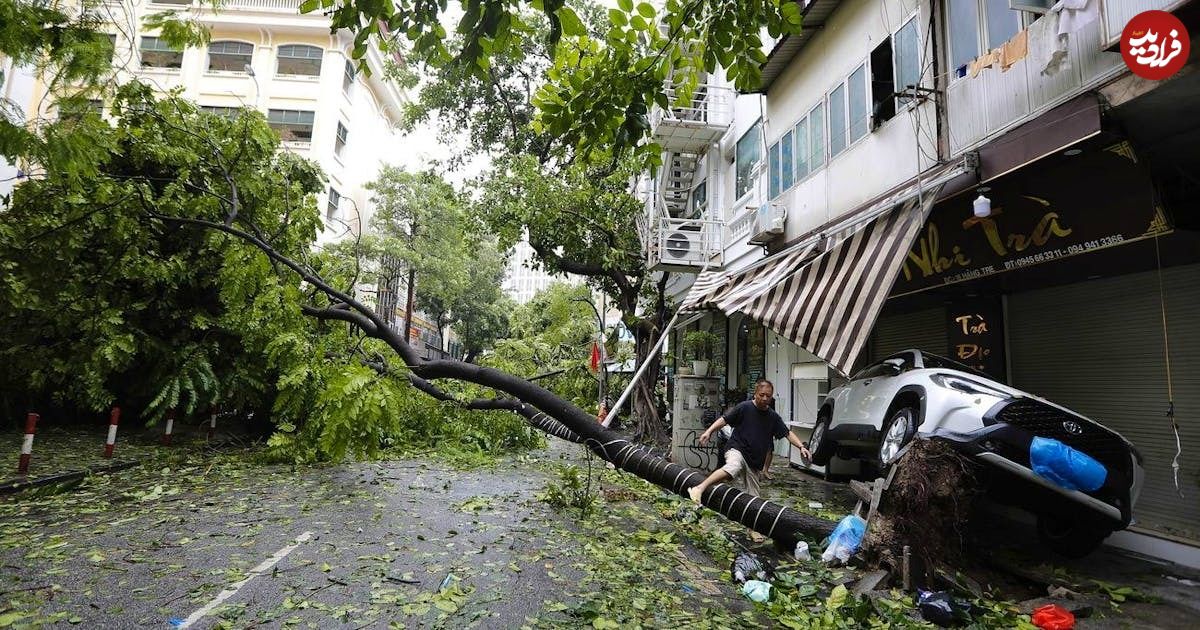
754,431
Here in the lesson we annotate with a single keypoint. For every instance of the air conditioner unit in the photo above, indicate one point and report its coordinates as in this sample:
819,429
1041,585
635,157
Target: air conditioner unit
768,223
683,247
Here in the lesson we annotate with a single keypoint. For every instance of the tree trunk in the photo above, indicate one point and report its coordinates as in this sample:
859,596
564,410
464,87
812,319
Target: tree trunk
408,304
646,423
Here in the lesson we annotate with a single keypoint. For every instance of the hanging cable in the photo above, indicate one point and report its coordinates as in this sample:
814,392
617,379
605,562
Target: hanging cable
1162,303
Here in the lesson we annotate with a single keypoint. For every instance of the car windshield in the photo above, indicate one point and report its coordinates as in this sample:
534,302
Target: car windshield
936,362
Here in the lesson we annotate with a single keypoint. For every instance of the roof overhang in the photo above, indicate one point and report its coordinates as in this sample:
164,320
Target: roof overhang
813,15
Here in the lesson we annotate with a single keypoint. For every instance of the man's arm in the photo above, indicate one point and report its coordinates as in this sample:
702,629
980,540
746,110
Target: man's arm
795,441
716,426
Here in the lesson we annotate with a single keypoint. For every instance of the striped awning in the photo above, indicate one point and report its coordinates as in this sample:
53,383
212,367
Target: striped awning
829,304
707,286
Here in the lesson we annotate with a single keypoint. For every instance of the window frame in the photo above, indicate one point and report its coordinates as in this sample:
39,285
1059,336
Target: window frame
902,101
208,67
829,120
982,35
228,112
340,139
754,170
311,123
142,50
280,58
699,199
349,77
333,205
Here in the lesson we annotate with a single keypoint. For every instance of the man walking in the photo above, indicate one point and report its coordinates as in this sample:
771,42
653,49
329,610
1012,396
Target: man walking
755,428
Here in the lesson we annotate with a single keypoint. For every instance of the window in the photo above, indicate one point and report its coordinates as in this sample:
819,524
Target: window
848,114
222,111
975,21
860,116
298,59
837,120
748,158
331,206
802,150
775,164
112,46
340,142
292,125
787,174
229,56
159,54
907,58
816,137
348,76
699,200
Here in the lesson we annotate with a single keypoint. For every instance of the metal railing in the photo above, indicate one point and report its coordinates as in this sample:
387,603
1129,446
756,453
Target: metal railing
709,105
689,242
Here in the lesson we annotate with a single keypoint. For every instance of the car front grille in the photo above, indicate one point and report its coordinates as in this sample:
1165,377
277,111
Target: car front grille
1046,421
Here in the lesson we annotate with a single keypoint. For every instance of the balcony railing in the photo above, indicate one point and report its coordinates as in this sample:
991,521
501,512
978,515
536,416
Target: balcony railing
685,244
697,122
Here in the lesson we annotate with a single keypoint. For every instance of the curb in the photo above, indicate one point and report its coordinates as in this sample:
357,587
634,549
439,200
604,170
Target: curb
24,484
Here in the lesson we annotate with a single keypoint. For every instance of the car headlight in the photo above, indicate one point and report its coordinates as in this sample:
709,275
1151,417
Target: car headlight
966,385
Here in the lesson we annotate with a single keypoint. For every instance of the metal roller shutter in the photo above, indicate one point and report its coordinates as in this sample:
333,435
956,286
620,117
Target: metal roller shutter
1097,347
922,330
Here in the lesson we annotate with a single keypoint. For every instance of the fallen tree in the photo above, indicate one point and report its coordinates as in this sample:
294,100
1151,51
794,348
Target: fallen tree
541,407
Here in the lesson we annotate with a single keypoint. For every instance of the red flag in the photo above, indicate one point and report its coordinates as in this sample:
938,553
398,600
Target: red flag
595,364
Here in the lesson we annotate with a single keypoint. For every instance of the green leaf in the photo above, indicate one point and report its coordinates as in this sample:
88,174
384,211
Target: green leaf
645,10
837,598
626,5
572,26
617,17
310,5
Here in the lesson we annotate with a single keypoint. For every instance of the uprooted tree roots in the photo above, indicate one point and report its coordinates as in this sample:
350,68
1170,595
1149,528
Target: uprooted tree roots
926,507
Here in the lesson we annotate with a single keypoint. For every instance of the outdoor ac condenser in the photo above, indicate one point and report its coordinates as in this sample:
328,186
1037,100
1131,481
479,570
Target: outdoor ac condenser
768,223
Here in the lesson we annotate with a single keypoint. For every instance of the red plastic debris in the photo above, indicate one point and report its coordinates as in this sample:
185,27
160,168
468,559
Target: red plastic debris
1053,617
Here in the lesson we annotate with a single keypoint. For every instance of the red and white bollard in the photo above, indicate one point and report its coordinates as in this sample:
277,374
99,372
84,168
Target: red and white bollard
212,423
27,446
113,418
166,437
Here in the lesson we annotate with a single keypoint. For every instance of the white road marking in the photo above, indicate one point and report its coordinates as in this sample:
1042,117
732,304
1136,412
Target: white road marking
232,590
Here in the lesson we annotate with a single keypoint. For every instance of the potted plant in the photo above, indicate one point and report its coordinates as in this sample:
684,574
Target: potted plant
700,344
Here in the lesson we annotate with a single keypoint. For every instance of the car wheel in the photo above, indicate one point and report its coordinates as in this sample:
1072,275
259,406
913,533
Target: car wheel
898,431
1069,537
819,443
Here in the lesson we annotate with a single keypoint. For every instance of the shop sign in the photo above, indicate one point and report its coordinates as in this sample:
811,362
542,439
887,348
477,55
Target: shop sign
976,335
1088,203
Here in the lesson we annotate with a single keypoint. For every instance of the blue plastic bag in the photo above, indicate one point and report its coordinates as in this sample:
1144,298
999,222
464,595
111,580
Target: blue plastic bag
1065,466
757,590
844,540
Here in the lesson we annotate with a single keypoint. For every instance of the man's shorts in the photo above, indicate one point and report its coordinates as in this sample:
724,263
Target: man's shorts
736,466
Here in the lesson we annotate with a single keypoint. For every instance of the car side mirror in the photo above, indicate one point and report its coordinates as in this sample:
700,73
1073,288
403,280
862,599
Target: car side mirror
897,365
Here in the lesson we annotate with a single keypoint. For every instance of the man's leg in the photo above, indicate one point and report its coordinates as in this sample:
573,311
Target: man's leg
734,465
752,487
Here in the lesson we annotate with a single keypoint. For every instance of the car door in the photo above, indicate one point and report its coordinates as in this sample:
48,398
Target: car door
872,391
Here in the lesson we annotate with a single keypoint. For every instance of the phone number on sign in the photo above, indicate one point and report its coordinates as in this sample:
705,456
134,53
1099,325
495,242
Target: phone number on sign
1096,244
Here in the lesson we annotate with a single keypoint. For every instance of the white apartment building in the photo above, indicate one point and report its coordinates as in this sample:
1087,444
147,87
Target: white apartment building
522,280
16,89
829,219
265,55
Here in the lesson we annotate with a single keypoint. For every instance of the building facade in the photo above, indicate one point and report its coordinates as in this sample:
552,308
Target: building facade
522,280
828,220
16,90
265,55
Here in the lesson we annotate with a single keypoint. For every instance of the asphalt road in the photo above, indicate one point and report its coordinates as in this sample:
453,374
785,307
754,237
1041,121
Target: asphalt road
228,544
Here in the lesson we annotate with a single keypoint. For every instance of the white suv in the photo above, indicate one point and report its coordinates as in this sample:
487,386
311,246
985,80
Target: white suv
881,408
